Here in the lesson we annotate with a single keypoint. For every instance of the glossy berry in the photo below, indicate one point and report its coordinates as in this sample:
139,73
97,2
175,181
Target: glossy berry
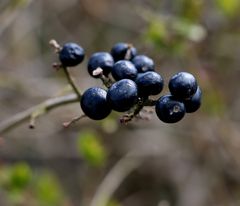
71,55
123,51
183,85
194,103
143,63
122,95
94,103
149,83
169,110
124,69
103,60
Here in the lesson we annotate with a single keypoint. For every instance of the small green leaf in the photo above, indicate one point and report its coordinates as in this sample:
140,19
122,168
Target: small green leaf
91,148
20,176
157,33
189,30
19,3
47,190
191,9
113,203
229,7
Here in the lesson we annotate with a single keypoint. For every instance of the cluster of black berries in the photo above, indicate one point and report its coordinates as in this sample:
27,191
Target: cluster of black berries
135,81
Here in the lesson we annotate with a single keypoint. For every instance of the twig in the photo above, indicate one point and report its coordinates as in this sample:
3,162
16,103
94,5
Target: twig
38,112
45,106
74,120
106,81
133,113
71,82
150,102
114,178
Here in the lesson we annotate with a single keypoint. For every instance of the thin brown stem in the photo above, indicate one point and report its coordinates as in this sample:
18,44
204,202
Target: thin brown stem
57,66
73,120
150,102
106,81
136,110
71,82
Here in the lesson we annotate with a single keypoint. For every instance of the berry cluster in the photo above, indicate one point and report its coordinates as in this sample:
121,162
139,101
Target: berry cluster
130,80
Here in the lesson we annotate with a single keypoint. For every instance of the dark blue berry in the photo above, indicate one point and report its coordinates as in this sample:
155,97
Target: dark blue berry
122,95
103,60
123,51
169,110
143,63
94,103
71,55
183,85
124,69
149,83
194,103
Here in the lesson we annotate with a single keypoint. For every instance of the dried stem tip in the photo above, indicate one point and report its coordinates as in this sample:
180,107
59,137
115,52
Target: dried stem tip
55,45
97,71
72,121
128,53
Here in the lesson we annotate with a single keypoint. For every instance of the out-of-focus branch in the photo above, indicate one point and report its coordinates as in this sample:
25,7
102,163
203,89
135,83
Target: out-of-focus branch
114,178
37,110
10,13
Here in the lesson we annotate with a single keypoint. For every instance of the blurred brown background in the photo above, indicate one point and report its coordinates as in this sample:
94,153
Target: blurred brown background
192,163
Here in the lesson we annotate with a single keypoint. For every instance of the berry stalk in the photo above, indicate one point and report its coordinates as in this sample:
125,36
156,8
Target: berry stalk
71,82
137,109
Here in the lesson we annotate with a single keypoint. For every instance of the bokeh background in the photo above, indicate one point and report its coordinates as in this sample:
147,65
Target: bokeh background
195,162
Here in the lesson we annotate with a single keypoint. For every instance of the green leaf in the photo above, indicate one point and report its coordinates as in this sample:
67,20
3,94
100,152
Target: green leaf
18,3
20,176
157,33
191,9
189,30
113,203
91,148
229,7
48,190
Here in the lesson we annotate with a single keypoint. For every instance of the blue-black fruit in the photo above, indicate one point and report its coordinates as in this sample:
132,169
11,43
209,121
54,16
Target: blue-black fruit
143,63
124,69
94,103
122,95
183,85
103,60
149,83
194,103
71,54
169,110
123,51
